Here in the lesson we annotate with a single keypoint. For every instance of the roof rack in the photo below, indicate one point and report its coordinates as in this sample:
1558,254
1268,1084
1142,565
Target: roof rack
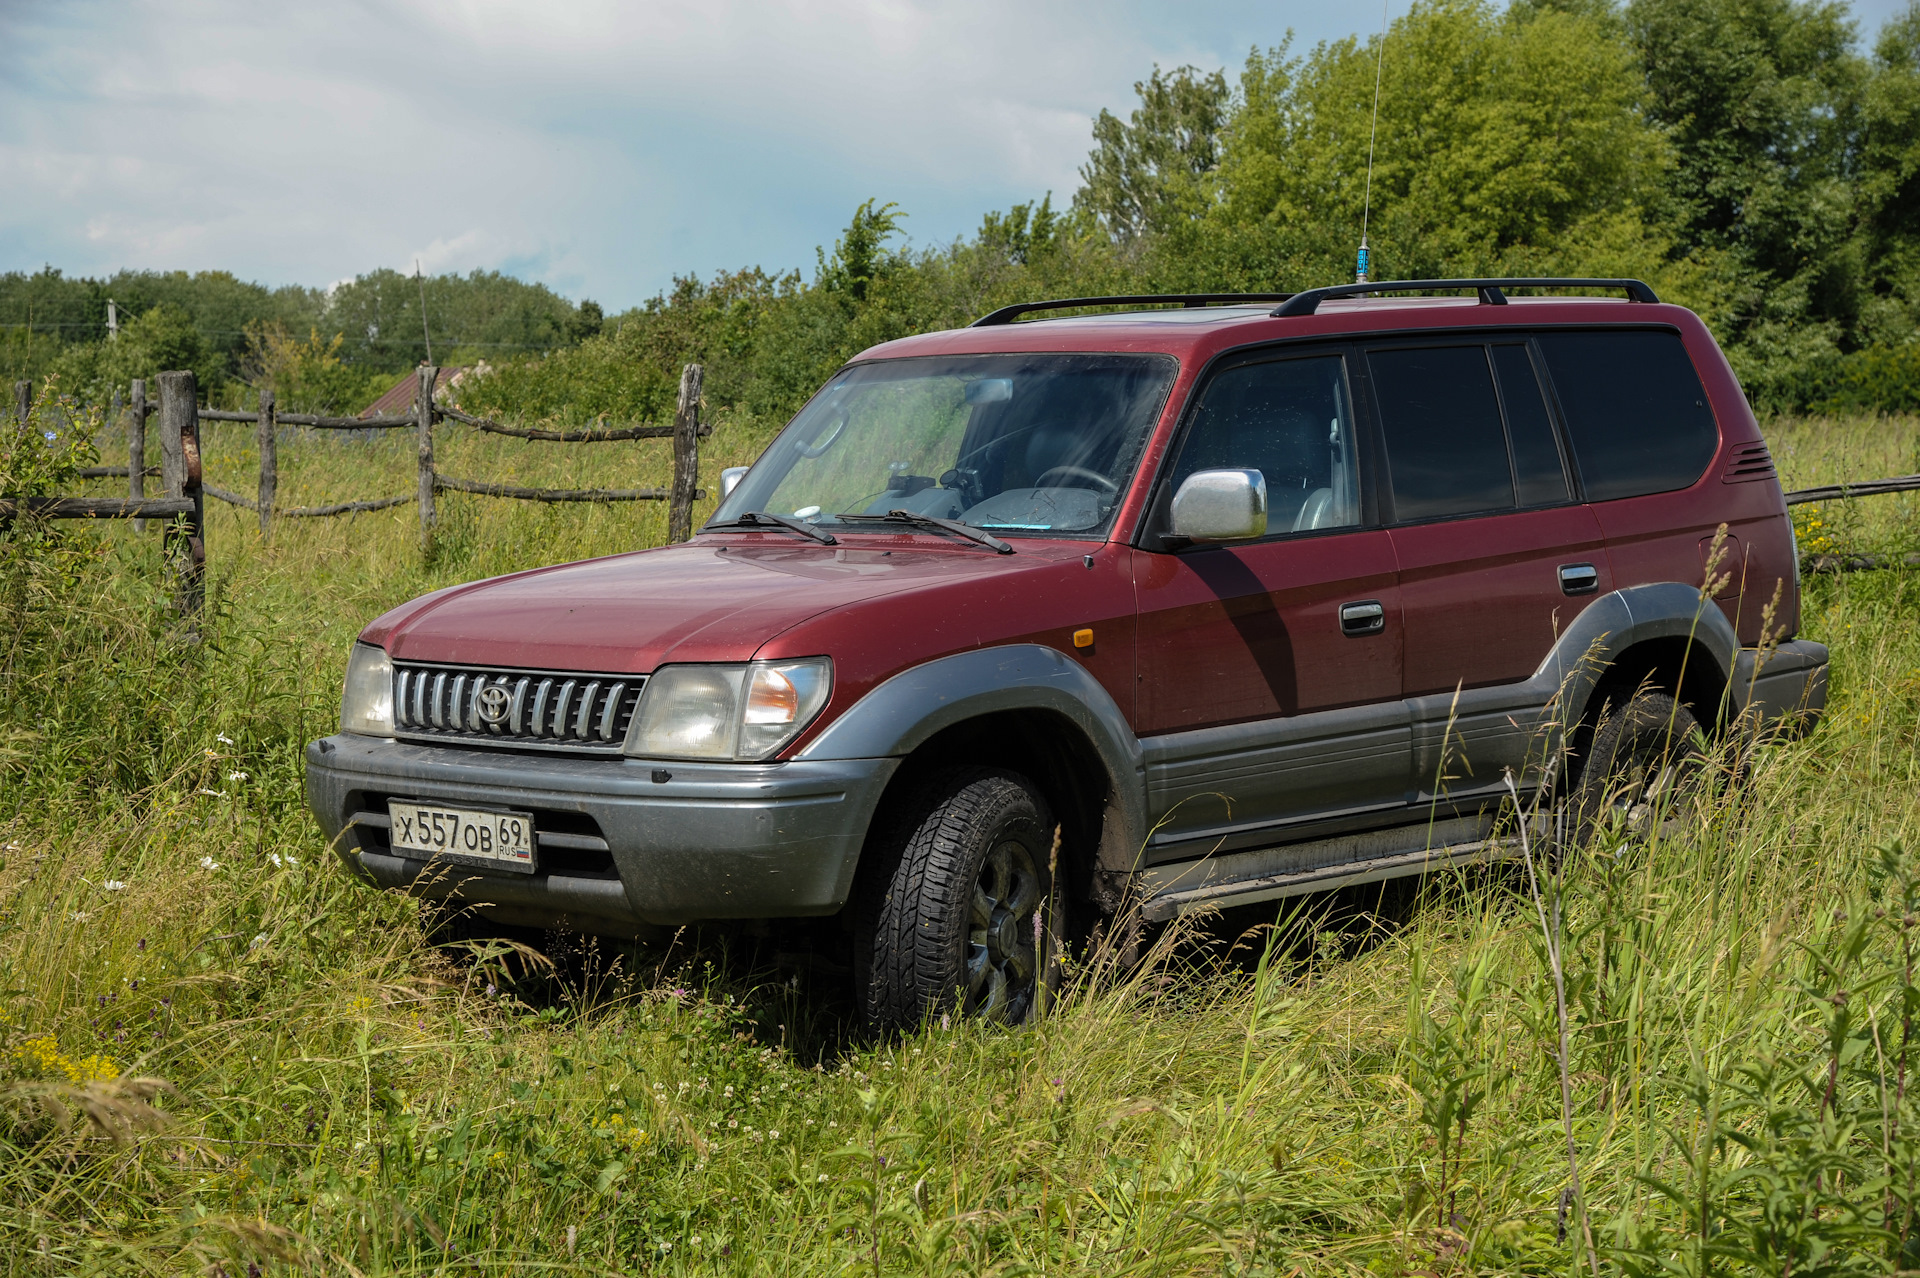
1490,291
1007,314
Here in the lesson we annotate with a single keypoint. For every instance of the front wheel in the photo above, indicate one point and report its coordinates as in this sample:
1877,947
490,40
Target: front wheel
952,919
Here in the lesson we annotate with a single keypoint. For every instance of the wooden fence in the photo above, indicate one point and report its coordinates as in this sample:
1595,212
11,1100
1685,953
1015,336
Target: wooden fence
186,490
184,504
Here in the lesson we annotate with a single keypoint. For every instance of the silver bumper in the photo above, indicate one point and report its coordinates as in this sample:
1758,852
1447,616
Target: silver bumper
705,841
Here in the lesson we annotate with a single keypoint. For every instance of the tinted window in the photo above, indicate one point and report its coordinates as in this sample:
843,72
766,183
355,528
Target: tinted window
1635,410
1536,453
1291,421
1446,449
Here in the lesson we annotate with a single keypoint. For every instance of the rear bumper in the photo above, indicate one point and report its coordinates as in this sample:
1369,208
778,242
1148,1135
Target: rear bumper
1786,687
709,841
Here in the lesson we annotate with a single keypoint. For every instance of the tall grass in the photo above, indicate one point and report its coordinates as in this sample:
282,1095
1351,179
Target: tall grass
220,1054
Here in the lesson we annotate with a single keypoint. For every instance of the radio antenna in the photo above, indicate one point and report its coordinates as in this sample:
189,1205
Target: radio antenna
1373,132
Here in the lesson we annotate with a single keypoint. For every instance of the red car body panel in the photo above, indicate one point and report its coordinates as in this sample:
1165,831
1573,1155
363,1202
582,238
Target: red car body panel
883,602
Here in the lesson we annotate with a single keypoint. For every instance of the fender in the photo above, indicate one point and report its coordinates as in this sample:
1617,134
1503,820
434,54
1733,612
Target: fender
905,712
1615,622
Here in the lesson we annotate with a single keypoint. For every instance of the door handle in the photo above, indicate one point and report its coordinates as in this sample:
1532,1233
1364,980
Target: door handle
1579,579
1365,617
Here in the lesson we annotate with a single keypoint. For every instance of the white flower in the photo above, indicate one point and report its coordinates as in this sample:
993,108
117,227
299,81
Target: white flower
259,940
208,863
216,794
223,738
292,859
774,1135
114,885
236,776
80,916
273,859
823,1179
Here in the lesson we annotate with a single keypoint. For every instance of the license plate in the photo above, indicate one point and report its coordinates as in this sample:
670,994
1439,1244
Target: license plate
468,836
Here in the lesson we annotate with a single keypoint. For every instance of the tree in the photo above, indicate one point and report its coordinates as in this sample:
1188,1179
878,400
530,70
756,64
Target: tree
1143,175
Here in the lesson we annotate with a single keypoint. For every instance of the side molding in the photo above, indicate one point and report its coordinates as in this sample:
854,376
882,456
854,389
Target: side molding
1615,622
907,710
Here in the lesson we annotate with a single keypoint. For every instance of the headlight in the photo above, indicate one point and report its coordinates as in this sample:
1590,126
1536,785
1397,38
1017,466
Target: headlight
366,703
728,712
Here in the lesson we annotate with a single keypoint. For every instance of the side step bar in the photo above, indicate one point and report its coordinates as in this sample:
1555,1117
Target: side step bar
1174,899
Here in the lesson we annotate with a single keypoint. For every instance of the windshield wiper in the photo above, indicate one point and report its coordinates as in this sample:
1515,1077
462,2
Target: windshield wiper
953,526
754,518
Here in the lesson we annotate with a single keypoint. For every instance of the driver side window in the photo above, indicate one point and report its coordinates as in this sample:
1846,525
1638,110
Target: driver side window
1292,421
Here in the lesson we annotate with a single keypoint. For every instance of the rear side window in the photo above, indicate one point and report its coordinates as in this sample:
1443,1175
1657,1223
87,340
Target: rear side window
1446,449
1635,410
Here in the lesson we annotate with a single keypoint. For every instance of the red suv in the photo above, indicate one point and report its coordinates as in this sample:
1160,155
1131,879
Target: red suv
1215,603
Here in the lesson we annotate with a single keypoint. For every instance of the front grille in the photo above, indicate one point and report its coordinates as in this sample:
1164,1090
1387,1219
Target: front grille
529,710
1748,464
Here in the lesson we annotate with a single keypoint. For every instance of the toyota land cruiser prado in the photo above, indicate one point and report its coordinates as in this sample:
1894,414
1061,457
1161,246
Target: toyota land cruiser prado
1243,599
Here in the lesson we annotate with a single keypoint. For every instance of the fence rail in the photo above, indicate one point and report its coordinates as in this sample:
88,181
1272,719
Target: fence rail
1864,488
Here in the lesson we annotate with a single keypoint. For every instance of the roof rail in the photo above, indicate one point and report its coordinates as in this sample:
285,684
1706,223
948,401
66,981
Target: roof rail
1490,290
1007,314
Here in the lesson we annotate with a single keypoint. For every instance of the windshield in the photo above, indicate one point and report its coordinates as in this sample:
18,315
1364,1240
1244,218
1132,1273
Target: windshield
1029,444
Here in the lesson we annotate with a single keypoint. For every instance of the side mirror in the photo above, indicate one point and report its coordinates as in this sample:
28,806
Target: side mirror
1221,505
730,479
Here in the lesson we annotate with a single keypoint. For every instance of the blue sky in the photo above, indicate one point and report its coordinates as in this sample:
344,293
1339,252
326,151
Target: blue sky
596,146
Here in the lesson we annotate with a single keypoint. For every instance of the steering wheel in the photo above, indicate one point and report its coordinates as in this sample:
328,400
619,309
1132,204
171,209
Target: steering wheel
824,441
1077,472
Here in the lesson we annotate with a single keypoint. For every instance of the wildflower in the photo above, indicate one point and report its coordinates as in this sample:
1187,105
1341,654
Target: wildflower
665,1247
223,738
773,1135
208,863
216,794
259,940
114,885
733,1122
79,916
273,859
241,776
822,1179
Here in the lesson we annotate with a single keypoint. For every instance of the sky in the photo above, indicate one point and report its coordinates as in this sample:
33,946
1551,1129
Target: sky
598,147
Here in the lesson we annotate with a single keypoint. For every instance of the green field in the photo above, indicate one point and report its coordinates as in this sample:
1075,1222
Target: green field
218,1052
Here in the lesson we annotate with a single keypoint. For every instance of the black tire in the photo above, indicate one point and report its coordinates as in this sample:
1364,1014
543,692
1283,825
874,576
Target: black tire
1645,763
945,925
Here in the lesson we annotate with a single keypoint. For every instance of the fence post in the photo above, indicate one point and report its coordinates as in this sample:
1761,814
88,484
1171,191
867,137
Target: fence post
686,455
180,471
269,462
423,424
22,403
137,448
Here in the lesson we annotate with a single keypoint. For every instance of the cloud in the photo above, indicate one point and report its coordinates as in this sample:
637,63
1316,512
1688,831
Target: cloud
598,146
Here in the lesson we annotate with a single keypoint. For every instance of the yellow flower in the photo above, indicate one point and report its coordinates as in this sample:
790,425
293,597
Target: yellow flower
42,1055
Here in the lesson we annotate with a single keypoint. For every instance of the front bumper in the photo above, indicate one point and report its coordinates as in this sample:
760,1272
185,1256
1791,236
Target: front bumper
705,841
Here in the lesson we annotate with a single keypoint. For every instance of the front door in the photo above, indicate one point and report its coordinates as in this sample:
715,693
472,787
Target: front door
1269,704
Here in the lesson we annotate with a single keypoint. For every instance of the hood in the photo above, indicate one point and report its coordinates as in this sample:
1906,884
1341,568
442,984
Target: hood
713,599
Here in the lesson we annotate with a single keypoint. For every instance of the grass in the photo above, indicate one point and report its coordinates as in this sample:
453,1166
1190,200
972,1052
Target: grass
219,1055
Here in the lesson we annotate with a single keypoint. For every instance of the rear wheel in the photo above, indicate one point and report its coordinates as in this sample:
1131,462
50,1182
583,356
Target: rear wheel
950,921
1644,768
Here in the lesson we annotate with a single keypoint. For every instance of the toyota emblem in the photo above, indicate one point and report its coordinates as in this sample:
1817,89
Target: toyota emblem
492,703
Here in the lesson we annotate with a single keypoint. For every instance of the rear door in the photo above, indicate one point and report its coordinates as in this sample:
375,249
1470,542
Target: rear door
1269,702
1494,555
